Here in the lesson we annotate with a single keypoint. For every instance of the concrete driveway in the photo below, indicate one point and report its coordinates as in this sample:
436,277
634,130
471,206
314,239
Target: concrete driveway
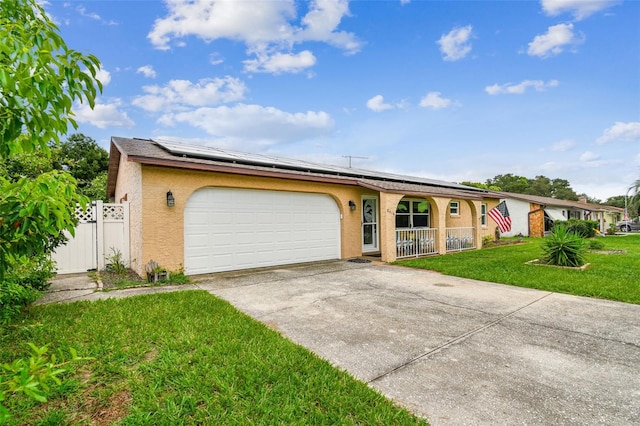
456,351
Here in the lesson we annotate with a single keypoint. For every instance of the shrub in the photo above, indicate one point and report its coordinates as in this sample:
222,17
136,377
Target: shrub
564,248
595,245
34,272
27,279
14,297
584,228
487,241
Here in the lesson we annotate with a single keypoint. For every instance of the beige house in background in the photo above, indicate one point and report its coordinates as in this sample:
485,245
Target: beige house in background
211,210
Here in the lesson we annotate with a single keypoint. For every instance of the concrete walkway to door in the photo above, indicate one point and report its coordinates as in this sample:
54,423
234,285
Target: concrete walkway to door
457,351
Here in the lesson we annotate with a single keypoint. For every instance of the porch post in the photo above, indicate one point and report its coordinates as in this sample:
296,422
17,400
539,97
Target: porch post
388,205
475,220
442,210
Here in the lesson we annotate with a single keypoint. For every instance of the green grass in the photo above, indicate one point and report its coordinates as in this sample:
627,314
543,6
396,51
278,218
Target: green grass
610,276
184,358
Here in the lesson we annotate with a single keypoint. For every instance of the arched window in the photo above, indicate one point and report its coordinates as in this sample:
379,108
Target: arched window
412,213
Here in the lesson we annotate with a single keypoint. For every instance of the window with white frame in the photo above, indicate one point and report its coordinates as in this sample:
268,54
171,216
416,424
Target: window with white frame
454,208
412,213
483,214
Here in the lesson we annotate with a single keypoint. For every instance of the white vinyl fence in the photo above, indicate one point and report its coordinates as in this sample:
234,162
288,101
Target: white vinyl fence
102,229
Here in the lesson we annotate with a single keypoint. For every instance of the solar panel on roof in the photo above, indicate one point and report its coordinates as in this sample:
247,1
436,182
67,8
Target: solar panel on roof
211,153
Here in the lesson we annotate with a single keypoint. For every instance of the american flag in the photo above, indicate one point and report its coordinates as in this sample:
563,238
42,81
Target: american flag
500,214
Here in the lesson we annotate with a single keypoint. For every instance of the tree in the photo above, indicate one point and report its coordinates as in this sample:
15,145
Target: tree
590,199
633,206
510,183
481,185
561,189
40,79
616,201
84,159
97,188
541,186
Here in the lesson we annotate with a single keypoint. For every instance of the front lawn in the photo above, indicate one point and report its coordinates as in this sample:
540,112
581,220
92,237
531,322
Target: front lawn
610,276
184,358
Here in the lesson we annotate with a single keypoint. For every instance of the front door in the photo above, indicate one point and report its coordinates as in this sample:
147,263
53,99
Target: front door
369,224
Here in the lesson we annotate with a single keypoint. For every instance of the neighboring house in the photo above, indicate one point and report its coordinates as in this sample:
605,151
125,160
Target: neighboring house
533,216
211,210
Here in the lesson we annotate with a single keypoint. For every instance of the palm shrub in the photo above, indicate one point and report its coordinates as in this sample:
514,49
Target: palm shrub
564,248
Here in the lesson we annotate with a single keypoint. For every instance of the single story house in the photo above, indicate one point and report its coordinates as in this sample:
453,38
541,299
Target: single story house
533,215
211,210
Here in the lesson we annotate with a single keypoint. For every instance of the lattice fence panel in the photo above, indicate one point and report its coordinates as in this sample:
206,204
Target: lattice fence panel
85,215
113,212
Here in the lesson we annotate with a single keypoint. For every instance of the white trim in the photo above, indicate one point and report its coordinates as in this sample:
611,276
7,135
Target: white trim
457,213
369,248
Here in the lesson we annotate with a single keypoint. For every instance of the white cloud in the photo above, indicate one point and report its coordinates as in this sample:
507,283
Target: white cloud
181,94
403,2
321,22
622,132
455,44
147,71
103,76
377,104
563,145
92,15
103,115
254,124
554,41
250,22
520,88
580,9
281,62
267,28
435,101
588,156
215,58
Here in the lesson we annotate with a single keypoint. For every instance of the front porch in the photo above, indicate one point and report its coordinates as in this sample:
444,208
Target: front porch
416,242
423,225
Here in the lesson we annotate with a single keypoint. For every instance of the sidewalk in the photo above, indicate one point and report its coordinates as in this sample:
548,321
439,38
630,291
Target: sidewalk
75,287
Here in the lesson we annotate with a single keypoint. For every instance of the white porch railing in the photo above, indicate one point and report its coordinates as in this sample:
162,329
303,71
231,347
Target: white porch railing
459,239
413,242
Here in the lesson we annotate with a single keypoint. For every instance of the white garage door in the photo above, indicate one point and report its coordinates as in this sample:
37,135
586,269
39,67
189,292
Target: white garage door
227,229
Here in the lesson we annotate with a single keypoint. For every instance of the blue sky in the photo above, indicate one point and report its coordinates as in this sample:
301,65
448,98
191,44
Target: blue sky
451,90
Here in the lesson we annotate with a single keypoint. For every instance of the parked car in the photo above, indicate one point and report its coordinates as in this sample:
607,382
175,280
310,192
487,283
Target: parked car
629,225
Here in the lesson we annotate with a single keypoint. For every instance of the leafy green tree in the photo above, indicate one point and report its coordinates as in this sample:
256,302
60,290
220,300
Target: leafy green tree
561,189
591,200
510,183
541,186
81,156
40,79
616,201
25,165
97,188
481,185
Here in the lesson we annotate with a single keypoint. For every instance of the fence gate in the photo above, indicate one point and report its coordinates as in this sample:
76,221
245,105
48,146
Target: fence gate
102,228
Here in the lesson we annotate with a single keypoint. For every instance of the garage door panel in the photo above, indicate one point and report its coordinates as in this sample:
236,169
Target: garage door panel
228,229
